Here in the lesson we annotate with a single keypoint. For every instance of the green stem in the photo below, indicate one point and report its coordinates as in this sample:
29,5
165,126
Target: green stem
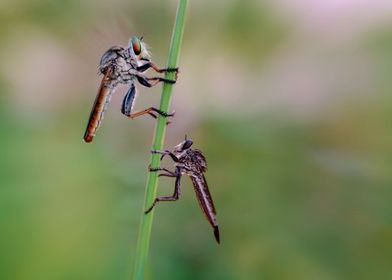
152,180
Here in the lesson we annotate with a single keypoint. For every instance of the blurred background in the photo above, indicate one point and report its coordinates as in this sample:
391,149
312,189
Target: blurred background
289,100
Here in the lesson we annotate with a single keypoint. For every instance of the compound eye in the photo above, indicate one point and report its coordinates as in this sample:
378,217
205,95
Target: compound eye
136,46
187,144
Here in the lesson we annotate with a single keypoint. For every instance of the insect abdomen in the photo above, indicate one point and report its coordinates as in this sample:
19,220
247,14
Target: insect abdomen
100,105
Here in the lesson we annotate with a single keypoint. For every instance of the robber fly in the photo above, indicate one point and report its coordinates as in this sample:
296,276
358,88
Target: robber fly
189,162
123,66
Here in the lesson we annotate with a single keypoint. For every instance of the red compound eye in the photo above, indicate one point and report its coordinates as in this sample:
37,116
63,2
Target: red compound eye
136,47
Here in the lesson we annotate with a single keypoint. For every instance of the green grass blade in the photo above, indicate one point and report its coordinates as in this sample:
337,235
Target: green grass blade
152,180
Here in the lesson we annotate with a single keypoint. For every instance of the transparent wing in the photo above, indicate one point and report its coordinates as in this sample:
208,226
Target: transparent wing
205,202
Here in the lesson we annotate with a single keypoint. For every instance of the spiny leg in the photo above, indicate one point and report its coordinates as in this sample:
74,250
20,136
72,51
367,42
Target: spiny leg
155,80
164,153
128,102
150,82
163,70
175,195
152,65
167,174
150,111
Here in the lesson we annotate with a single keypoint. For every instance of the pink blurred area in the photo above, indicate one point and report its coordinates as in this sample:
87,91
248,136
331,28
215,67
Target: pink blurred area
320,60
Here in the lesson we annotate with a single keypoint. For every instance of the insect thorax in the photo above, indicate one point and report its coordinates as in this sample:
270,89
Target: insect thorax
193,161
121,63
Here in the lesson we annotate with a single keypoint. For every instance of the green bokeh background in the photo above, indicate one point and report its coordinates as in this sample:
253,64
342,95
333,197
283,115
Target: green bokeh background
289,100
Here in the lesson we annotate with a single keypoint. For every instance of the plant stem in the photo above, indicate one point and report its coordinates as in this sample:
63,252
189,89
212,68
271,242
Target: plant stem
152,180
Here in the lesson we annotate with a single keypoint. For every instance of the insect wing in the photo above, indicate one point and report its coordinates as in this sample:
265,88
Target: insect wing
205,201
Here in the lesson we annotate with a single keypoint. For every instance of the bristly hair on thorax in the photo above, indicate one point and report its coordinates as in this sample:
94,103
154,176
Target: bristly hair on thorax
194,160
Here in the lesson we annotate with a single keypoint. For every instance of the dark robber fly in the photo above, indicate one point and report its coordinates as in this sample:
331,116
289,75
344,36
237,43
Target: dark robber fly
190,162
123,66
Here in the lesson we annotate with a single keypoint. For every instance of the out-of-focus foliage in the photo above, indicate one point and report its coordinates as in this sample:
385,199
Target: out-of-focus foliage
289,100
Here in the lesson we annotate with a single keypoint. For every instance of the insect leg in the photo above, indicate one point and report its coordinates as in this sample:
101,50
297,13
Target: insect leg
128,103
164,153
152,65
167,174
175,195
150,111
150,82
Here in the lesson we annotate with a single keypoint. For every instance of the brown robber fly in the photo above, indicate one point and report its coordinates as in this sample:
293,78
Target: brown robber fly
190,162
123,66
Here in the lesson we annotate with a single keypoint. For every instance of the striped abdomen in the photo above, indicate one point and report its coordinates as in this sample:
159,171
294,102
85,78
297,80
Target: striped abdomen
100,105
